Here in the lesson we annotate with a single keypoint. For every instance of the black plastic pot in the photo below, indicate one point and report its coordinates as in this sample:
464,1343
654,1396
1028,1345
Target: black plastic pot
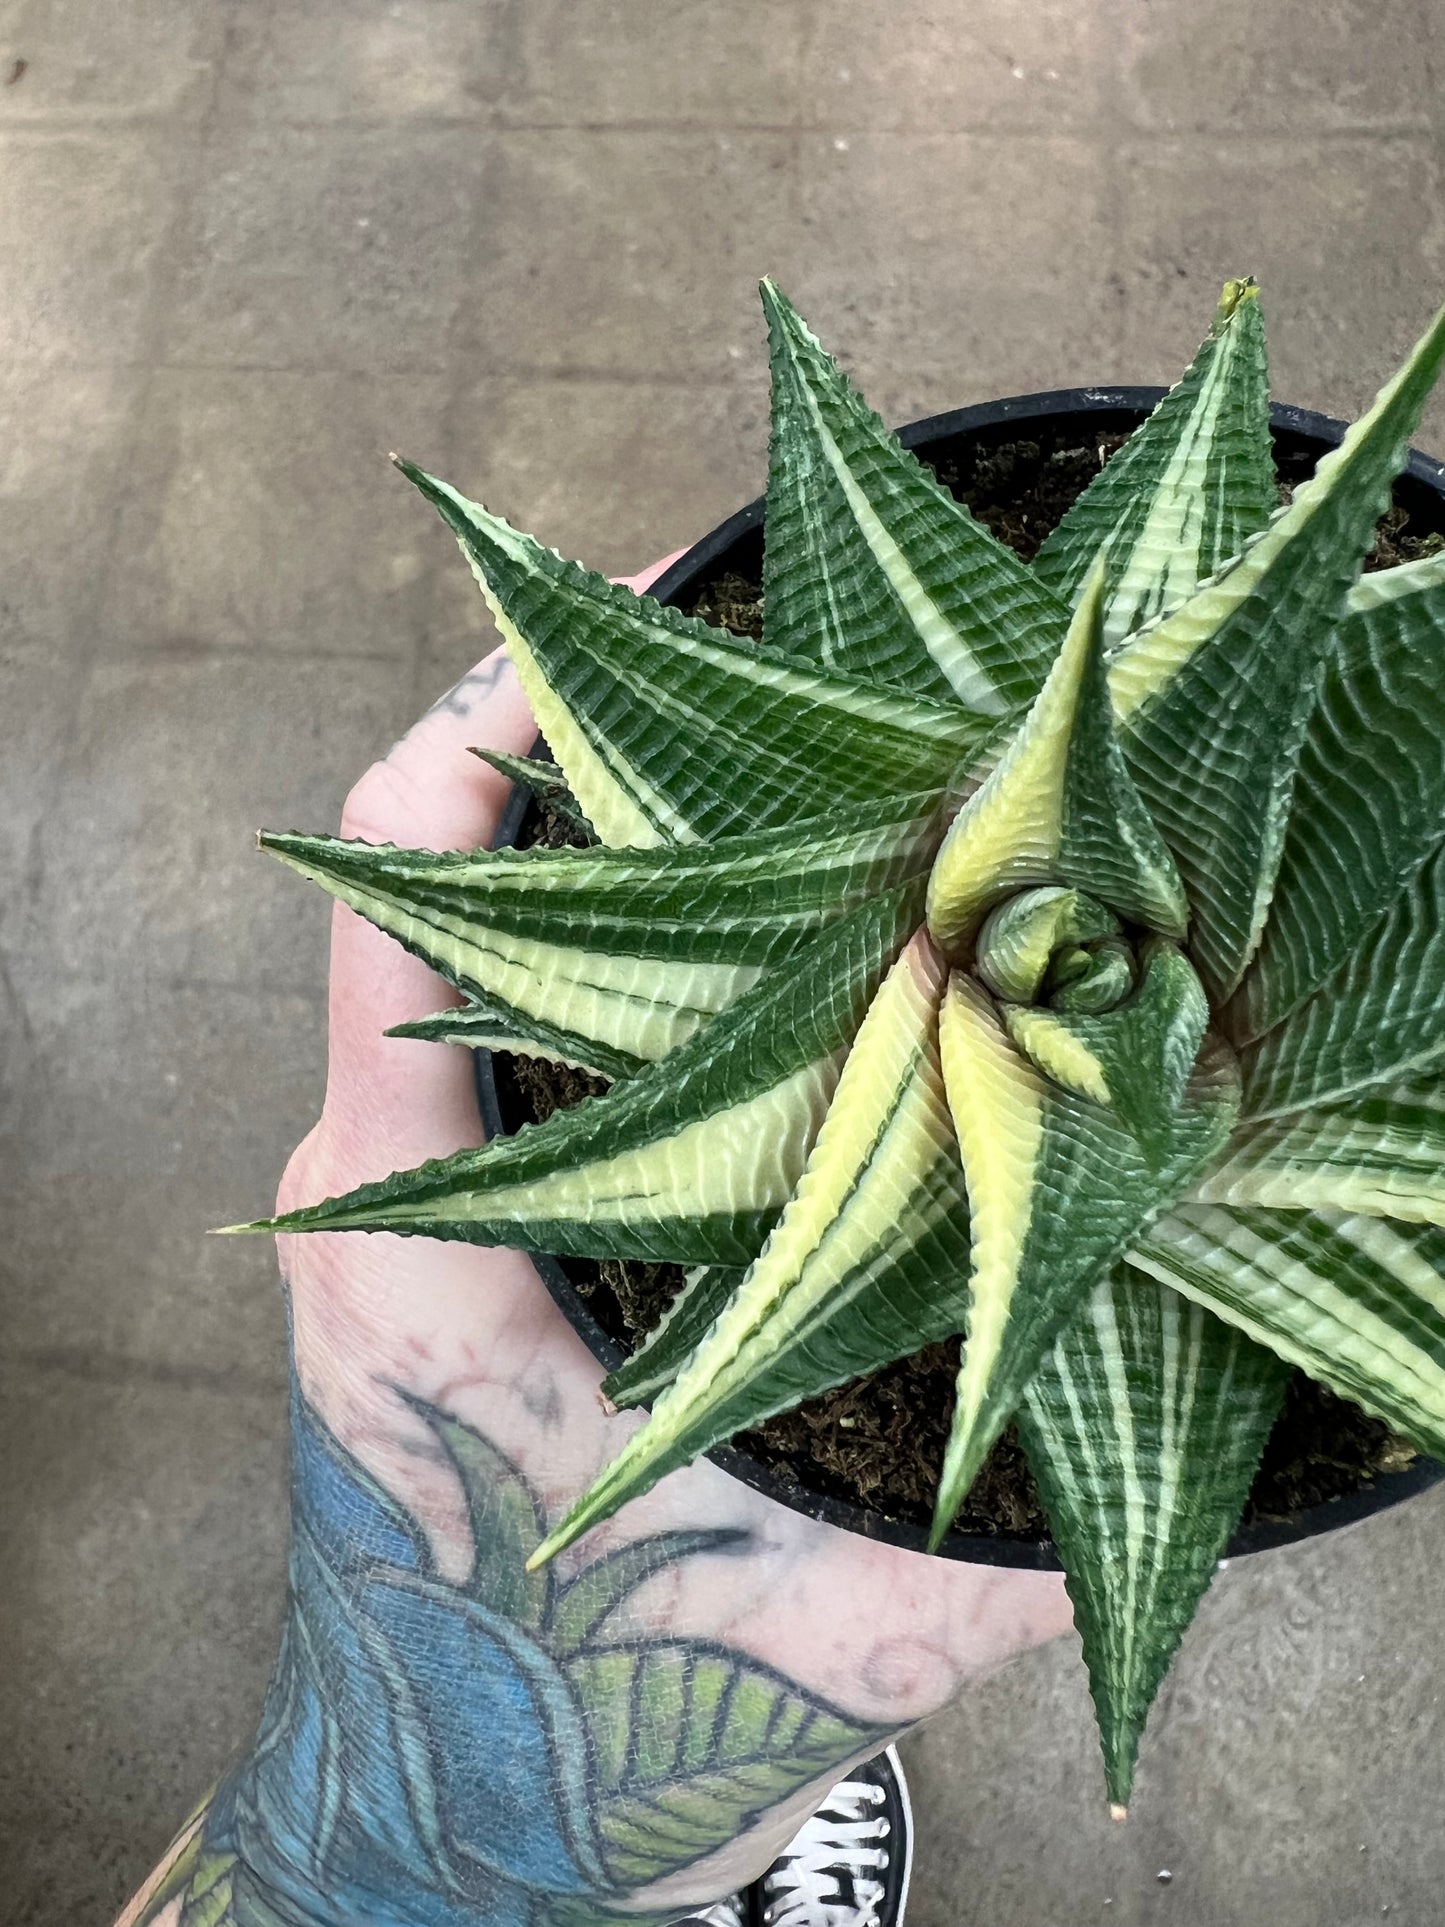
736,545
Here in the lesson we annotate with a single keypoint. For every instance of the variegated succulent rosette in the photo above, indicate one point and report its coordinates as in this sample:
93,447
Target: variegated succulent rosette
1050,954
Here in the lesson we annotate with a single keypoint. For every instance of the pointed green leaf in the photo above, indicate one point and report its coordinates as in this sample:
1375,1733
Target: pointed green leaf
486,1023
1215,698
1058,1187
1369,800
1186,491
614,957
668,1346
544,780
1144,1426
691,1744
872,568
1380,1018
1134,1059
1358,1302
1381,1153
867,1262
670,731
1058,806
586,1604
689,1161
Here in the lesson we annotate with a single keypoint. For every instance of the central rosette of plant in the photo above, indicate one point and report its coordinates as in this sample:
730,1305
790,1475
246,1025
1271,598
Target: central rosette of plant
1077,988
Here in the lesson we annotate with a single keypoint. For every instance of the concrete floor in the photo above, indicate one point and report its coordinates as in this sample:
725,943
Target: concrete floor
246,249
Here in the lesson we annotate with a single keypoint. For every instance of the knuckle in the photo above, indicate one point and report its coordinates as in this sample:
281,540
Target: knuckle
298,1180
381,805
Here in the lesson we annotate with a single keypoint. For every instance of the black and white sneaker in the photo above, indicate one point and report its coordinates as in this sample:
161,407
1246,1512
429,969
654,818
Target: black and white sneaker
849,1865
732,1912
846,1867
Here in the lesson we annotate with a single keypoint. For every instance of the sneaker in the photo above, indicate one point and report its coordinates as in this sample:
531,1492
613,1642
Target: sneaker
850,1864
732,1912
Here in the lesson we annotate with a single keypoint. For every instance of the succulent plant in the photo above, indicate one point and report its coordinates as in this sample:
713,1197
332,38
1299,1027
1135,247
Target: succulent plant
1050,954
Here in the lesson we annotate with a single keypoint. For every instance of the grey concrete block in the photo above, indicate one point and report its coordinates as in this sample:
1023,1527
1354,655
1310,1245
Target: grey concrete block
955,267
628,252
136,1114
615,474
549,456
142,1561
126,60
387,60
86,220
658,62
1195,212
1298,66
65,434
262,513
917,67
341,248
178,758
1291,1771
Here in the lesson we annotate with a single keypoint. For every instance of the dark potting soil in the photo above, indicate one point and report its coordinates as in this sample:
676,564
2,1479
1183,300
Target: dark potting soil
879,1442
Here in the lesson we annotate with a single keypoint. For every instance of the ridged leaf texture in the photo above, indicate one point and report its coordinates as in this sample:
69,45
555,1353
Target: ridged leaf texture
1052,955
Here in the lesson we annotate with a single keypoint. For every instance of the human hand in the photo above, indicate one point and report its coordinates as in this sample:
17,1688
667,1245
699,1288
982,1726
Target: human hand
451,1741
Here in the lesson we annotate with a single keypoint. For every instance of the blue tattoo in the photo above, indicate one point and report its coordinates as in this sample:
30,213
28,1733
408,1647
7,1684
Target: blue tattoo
500,1753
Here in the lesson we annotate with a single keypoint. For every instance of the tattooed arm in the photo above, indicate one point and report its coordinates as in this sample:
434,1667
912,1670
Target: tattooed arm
450,1741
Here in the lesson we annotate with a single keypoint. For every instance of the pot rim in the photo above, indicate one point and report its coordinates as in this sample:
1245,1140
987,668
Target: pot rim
1380,1494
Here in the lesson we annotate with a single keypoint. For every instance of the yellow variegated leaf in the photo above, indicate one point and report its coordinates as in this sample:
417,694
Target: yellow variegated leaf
867,1259
1058,807
1058,1185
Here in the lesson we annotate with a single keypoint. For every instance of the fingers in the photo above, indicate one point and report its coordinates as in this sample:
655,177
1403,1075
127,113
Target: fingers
393,1102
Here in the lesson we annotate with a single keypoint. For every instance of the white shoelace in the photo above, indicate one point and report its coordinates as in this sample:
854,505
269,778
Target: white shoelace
804,1890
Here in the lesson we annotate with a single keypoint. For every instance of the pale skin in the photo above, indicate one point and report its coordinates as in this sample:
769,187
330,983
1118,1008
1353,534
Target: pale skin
883,1635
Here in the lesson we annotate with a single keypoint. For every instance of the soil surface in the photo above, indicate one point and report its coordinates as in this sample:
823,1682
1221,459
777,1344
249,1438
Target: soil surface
879,1442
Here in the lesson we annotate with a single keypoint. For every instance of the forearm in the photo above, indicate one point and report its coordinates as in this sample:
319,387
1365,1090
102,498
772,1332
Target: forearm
462,1743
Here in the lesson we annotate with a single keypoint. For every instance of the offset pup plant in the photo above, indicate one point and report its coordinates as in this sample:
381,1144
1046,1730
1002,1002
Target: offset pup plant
1053,955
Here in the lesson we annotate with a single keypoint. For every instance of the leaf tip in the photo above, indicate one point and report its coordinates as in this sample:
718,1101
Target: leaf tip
944,1513
1233,296
417,1030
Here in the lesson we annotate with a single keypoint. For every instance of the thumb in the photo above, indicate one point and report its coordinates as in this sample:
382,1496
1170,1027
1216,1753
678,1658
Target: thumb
392,1102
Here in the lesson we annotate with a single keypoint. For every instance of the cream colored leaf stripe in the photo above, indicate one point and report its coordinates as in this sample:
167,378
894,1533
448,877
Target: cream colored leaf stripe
616,957
1058,806
689,1160
671,731
1057,1187
1215,698
945,609
1381,1154
881,1184
1188,488
1358,1302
